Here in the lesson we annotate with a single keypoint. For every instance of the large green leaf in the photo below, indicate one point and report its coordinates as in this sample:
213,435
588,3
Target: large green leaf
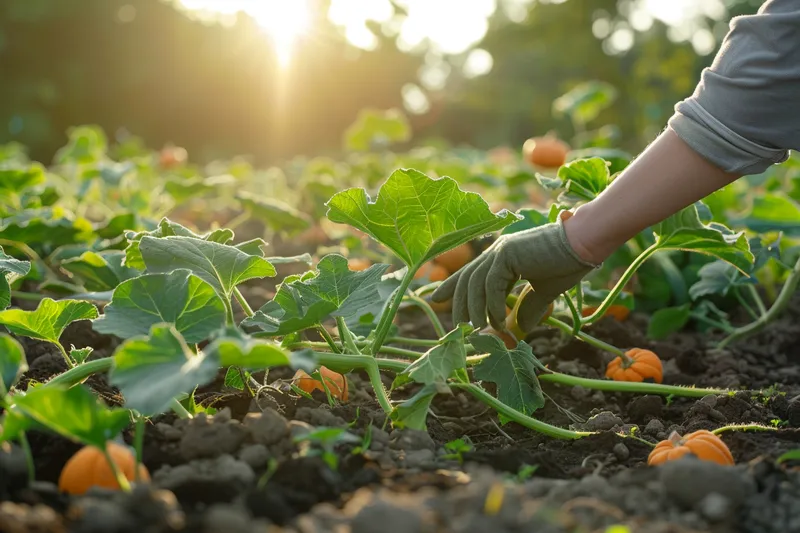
168,228
685,231
305,301
12,363
17,180
278,215
222,266
49,320
100,271
177,298
584,102
234,348
51,227
10,269
74,413
418,217
583,179
773,212
439,363
413,413
668,320
513,371
151,371
118,225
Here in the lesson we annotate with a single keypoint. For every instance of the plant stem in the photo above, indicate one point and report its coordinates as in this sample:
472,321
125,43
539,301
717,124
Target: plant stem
388,315
29,296
327,336
518,417
576,315
778,306
180,410
743,427
626,277
429,312
711,322
237,221
347,337
425,343
79,373
585,337
627,386
26,449
138,443
67,358
762,309
426,289
385,349
243,302
121,479
228,311
743,303
345,363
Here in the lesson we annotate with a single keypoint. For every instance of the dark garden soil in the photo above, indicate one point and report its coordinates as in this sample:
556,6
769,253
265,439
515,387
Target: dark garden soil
242,471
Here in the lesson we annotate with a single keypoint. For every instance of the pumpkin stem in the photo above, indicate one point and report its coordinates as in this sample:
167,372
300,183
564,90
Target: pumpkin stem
676,439
121,479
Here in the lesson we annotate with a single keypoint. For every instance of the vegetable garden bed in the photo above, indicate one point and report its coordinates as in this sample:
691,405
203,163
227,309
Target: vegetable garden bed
202,349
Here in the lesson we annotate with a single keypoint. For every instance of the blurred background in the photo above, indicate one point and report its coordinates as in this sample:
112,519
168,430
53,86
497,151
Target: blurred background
281,78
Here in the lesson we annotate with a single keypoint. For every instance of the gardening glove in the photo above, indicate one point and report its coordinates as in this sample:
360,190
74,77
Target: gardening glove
542,256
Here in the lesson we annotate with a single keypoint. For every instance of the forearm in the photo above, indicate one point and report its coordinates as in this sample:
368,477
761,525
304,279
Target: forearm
664,179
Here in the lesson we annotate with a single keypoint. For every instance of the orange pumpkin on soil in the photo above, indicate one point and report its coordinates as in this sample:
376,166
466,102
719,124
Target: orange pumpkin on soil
456,258
88,468
336,383
548,151
703,444
358,264
637,365
617,312
432,272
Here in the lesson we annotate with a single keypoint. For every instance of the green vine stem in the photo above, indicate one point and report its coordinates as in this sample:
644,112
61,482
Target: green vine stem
576,315
327,336
423,343
585,337
634,437
347,337
388,315
180,410
626,277
520,418
122,481
743,427
28,296
779,305
65,355
429,312
243,302
627,386
138,443
26,449
344,363
80,373
389,350
757,299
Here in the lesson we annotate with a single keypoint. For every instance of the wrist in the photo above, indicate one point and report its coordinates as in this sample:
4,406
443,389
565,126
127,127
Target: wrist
581,232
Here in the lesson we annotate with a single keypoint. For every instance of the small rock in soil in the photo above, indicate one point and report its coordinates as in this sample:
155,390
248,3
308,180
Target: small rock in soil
411,439
689,480
170,433
255,455
221,517
319,416
603,422
715,507
208,480
206,436
645,407
21,518
621,452
144,509
269,427
793,412
419,459
384,517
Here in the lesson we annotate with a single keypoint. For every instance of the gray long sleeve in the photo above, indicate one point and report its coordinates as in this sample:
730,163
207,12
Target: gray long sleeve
744,114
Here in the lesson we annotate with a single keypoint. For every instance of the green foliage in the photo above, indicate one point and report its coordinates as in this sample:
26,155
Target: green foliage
373,129
668,320
179,298
12,363
585,101
49,320
413,413
304,301
167,228
417,217
440,362
277,215
10,269
583,179
513,371
100,271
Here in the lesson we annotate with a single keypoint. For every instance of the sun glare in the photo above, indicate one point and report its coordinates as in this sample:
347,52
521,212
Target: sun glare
283,21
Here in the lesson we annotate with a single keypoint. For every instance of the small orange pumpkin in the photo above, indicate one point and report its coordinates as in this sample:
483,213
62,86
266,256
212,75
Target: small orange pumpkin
337,384
618,312
88,468
703,444
432,271
358,264
453,260
548,151
637,365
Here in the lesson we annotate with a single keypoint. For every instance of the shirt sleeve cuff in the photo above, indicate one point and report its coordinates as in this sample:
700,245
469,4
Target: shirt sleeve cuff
720,145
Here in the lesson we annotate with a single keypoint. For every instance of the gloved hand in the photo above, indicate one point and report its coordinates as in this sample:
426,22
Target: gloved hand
542,256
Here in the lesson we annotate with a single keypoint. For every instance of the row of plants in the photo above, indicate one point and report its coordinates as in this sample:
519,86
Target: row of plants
88,235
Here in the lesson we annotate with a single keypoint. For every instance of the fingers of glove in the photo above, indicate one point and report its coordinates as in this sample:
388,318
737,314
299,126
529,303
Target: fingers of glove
533,308
445,291
476,298
460,295
499,282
